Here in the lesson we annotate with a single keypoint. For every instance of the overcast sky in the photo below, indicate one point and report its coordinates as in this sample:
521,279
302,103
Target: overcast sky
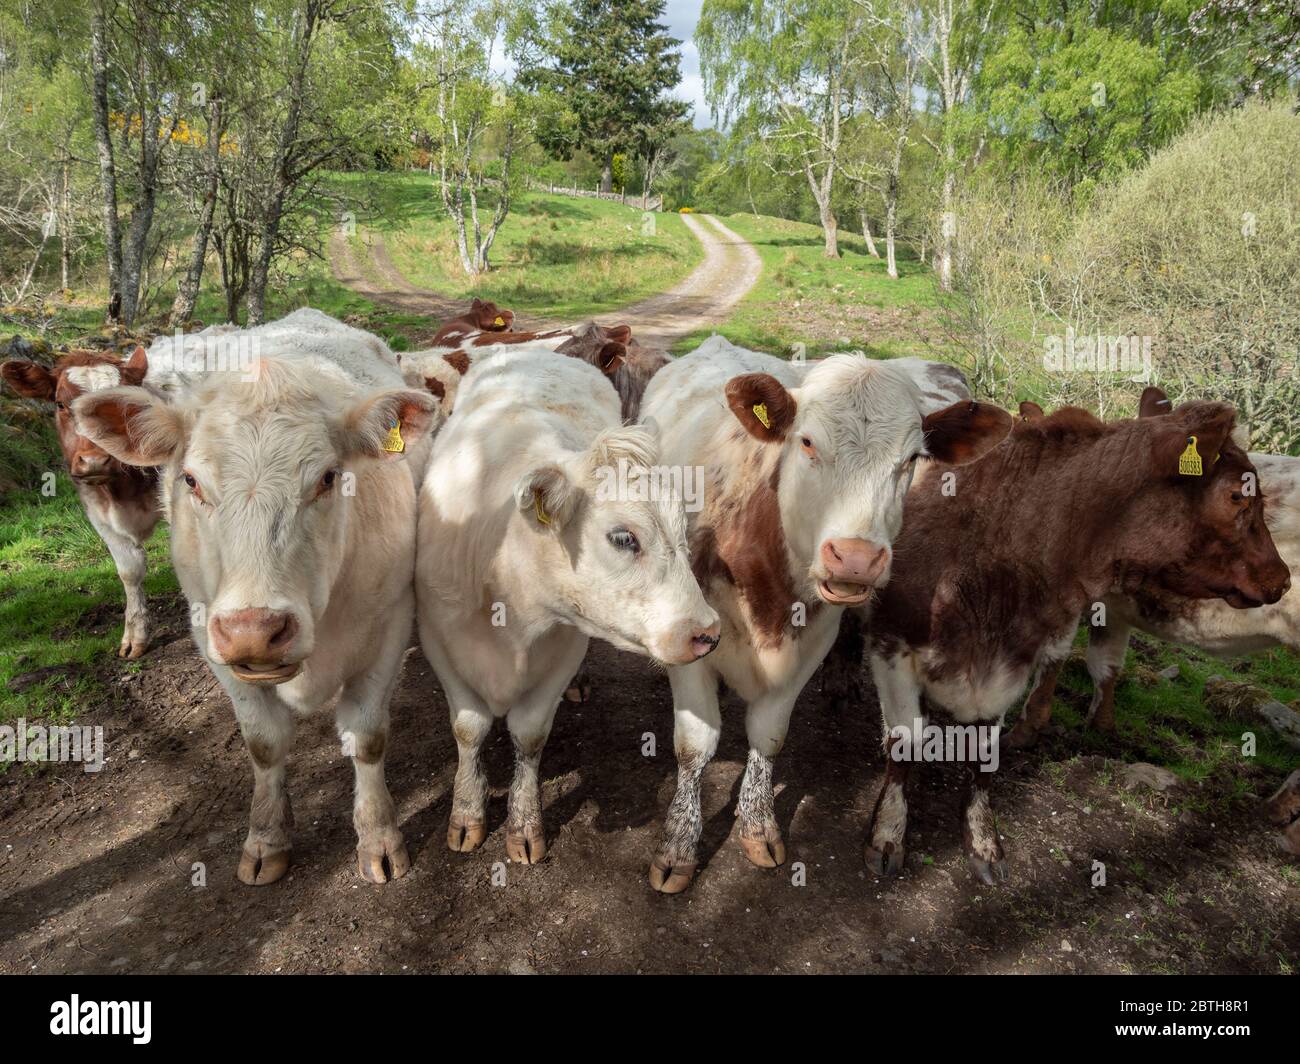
681,16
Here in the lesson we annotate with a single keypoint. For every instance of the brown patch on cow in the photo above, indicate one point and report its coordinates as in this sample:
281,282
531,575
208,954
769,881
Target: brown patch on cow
762,405
370,747
740,541
459,361
489,339
1066,509
436,387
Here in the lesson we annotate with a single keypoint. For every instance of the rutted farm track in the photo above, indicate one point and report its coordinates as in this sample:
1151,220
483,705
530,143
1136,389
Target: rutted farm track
96,870
706,297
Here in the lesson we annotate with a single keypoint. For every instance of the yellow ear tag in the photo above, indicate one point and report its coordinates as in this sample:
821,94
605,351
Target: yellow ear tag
499,321
1189,462
542,515
760,412
393,442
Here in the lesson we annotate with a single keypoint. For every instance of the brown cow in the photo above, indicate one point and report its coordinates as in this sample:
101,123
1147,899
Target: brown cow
482,316
121,501
630,369
997,561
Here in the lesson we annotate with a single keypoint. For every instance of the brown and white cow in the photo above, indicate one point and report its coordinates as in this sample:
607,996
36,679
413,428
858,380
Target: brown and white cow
291,501
482,316
120,501
997,561
611,350
804,470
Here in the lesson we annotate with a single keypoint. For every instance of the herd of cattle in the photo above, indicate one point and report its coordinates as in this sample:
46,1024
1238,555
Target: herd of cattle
506,491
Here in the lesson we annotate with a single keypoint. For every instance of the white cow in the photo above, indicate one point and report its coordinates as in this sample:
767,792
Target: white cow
805,472
540,527
293,536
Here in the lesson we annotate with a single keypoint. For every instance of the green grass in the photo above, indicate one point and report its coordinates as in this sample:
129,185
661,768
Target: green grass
849,303
62,603
1168,722
555,256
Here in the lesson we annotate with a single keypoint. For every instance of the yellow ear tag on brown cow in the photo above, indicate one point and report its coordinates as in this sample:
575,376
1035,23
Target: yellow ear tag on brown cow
760,412
540,510
498,321
1189,462
393,442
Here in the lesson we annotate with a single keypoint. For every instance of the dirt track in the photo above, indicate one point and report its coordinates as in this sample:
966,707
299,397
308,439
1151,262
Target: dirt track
705,297
96,870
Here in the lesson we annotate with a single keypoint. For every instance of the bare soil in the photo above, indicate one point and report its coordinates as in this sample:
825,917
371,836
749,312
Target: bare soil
97,870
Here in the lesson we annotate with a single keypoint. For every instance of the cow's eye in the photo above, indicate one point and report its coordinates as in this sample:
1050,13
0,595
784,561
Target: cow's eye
61,406
192,483
808,447
1236,496
327,481
622,539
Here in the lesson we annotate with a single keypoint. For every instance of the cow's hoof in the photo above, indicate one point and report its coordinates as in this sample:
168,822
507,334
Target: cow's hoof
671,877
579,690
886,862
766,850
259,870
133,648
382,862
1022,736
990,873
527,846
465,835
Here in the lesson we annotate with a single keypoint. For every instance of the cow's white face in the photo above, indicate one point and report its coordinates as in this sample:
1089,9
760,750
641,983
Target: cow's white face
256,484
850,438
612,542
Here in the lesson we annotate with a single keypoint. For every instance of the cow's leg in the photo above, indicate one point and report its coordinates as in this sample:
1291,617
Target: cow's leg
471,722
267,725
1038,707
362,718
129,558
900,705
766,722
1107,645
696,725
980,829
530,722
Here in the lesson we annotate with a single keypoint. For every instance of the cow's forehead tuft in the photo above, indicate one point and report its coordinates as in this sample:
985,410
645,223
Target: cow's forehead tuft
94,378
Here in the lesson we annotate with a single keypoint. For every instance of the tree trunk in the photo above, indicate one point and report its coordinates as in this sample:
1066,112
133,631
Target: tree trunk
188,290
281,180
607,174
104,148
866,234
821,191
65,227
947,230
891,221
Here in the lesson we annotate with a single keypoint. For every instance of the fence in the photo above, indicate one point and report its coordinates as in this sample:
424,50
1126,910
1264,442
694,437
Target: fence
653,203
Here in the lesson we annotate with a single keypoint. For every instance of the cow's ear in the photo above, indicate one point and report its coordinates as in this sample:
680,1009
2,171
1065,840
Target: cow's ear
135,367
965,431
762,404
1174,454
475,303
611,355
546,497
1154,402
131,424
1030,411
28,379
620,333
387,424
